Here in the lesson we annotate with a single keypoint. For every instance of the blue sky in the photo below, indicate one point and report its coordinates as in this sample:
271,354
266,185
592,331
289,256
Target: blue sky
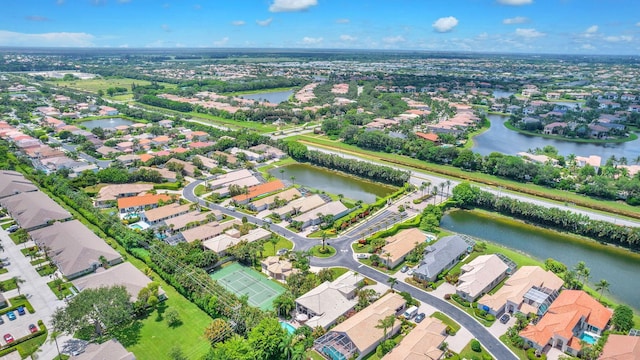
531,26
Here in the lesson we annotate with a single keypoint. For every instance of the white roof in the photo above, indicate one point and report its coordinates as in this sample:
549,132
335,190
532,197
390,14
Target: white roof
479,273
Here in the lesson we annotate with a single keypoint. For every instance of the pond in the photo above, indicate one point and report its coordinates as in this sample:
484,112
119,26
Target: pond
106,123
616,265
499,94
272,97
333,182
499,138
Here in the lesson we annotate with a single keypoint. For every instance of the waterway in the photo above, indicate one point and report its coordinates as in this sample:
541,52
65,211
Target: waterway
618,266
106,123
272,97
332,182
499,138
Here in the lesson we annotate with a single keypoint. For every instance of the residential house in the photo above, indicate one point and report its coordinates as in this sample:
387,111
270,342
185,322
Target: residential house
269,201
429,137
276,268
441,256
268,151
570,317
207,162
124,274
33,210
555,128
400,245
228,178
250,155
479,276
301,205
258,190
13,182
221,242
324,304
192,219
135,204
334,208
207,231
75,249
232,160
127,159
108,111
422,343
166,174
187,168
357,336
125,146
592,160
621,347
106,151
160,140
110,349
530,290
162,213
110,193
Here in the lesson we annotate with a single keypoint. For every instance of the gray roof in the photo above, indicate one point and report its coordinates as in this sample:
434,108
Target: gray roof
108,350
33,209
124,274
73,247
441,253
12,182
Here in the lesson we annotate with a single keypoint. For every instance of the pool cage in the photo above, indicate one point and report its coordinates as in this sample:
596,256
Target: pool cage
336,346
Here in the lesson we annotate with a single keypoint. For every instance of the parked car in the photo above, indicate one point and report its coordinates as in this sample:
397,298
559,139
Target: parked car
505,318
12,228
282,252
8,338
410,272
33,328
362,256
419,317
1,320
21,310
11,315
404,269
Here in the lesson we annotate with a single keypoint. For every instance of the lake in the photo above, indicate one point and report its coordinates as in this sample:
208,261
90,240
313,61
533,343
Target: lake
500,139
617,266
499,94
272,97
333,182
106,123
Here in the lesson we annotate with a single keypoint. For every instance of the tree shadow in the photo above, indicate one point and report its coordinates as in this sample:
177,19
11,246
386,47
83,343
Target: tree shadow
129,335
160,309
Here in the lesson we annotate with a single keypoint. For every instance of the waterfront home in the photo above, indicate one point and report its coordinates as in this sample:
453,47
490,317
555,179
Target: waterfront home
441,256
530,290
257,190
335,209
269,201
572,318
359,335
621,347
479,276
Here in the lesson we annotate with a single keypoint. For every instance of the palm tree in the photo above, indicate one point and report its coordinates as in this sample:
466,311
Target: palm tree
18,281
602,286
54,338
324,239
392,282
293,180
579,268
434,193
448,182
637,160
274,241
281,173
386,323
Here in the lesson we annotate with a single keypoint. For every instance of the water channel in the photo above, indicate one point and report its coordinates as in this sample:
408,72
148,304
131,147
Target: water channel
332,182
106,123
618,266
272,97
500,139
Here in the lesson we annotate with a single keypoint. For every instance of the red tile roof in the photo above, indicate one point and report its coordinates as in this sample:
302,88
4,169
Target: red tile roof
261,189
143,200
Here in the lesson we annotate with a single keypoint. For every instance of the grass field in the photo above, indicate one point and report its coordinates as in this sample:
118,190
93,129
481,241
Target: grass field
467,353
93,85
561,197
446,320
268,248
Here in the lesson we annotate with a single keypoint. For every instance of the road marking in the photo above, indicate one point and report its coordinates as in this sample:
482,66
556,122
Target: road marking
361,265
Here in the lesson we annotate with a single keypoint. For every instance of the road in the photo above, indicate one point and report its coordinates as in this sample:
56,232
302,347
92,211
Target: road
417,177
345,258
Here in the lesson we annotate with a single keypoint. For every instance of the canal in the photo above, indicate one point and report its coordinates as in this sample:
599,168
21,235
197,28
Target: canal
499,138
333,182
618,266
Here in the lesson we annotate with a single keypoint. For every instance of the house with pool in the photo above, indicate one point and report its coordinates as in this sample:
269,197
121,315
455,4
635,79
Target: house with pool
572,318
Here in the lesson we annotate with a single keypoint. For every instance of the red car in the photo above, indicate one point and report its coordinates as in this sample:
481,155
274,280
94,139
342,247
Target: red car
33,328
8,338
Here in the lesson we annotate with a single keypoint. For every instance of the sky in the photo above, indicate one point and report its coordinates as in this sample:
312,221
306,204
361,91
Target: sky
607,27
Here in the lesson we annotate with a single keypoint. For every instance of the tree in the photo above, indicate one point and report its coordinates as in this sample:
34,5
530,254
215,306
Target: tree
602,286
173,318
219,330
622,319
293,180
176,353
235,348
18,280
386,323
104,307
274,241
284,304
53,338
392,282
265,337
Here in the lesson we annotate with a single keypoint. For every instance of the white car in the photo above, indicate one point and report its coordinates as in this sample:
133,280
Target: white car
410,272
362,256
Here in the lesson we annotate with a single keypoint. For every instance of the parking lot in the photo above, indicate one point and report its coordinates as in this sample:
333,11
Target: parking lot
19,327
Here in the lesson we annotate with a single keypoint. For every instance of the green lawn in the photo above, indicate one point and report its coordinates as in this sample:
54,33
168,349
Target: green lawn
267,247
446,320
16,238
46,270
200,190
7,285
61,291
93,85
313,355
151,338
467,353
519,352
5,225
338,271
315,251
38,261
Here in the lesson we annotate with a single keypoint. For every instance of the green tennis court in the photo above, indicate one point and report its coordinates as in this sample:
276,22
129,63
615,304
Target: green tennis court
242,280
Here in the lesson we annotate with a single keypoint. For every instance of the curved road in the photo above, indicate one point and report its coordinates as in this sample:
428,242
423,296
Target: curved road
344,258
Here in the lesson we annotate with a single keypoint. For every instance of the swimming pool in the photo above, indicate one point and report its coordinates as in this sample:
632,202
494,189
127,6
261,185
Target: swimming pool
285,325
588,338
136,226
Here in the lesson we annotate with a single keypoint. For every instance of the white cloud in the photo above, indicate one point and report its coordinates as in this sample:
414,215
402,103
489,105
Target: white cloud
621,38
311,40
529,33
348,38
60,2
222,41
482,36
445,24
266,22
291,5
238,23
165,27
65,39
393,39
588,47
592,29
515,20
515,2
343,21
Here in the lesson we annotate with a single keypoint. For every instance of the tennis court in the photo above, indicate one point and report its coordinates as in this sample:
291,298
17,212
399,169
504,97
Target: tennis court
242,280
